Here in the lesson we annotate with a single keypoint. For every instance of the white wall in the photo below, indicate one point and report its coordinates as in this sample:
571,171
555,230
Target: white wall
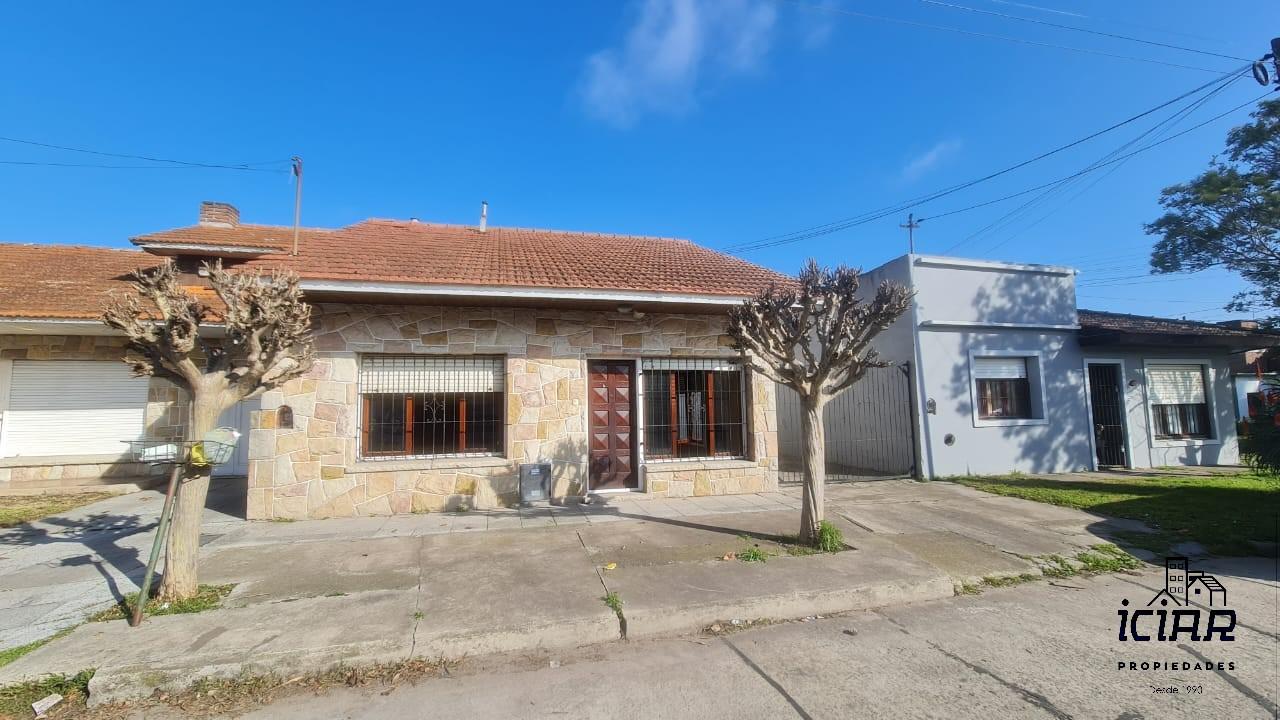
966,308
1149,452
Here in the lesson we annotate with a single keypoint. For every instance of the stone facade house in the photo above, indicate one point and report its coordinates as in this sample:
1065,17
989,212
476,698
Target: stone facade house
448,357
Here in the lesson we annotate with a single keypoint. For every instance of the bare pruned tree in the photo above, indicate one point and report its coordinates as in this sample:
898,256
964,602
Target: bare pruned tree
815,338
265,340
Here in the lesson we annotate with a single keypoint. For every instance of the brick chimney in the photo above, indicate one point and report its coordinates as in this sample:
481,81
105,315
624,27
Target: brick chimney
220,214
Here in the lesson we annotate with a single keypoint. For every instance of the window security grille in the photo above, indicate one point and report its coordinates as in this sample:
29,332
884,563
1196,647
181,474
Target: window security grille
693,408
416,406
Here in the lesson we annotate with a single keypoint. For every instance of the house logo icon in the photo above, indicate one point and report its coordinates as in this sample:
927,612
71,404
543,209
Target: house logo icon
1183,586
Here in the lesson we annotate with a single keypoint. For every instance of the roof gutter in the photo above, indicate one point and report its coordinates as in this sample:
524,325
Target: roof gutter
516,292
74,326
162,248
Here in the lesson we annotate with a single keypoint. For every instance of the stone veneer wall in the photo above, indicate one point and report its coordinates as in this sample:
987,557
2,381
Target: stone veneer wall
166,418
313,471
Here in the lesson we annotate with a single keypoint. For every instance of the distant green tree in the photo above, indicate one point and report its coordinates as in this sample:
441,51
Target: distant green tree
1229,216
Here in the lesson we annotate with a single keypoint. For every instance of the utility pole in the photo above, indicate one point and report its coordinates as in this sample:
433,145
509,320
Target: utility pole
297,200
1260,72
911,226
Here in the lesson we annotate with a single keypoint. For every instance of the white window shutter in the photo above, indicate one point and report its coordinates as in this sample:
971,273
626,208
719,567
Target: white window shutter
73,407
1175,384
1000,368
426,374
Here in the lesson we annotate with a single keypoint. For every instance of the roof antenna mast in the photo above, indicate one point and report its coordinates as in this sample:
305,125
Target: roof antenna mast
297,200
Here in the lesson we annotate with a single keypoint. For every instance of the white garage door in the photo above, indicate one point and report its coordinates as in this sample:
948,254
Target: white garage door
72,407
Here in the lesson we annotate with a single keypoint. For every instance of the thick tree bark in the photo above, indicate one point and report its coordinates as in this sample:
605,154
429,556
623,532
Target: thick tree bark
183,546
815,468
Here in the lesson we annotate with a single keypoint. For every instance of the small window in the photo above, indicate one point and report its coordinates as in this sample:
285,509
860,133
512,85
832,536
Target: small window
693,409
413,406
1003,388
1178,406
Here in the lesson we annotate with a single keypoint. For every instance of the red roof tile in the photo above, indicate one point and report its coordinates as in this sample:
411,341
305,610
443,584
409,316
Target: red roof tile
240,236
389,251
63,281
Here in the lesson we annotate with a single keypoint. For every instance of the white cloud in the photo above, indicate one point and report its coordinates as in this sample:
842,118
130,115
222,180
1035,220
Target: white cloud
672,46
817,24
929,159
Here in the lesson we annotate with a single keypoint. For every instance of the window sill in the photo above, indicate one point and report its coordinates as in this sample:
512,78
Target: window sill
1009,422
1186,442
698,464
437,463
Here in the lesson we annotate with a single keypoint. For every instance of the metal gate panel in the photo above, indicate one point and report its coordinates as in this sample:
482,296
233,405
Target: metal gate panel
868,427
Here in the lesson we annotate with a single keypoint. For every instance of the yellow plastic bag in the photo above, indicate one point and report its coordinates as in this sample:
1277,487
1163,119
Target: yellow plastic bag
197,455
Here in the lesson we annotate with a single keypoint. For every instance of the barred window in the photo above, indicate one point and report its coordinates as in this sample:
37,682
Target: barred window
416,406
1179,409
693,409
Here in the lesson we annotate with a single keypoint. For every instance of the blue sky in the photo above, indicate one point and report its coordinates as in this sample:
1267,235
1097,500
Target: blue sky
725,121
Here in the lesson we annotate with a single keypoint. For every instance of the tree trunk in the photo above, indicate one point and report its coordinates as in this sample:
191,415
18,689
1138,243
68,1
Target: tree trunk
813,437
183,546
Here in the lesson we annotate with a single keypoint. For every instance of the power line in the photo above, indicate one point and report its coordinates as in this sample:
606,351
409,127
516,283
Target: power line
1078,29
1099,165
1006,38
122,167
871,215
1015,214
186,163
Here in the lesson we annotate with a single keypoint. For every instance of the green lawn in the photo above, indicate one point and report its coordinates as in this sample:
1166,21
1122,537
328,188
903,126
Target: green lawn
25,508
1222,512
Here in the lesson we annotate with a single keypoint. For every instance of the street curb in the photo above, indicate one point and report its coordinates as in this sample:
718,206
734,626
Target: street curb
129,682
652,622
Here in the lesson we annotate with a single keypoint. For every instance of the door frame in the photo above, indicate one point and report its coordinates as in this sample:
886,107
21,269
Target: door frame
637,419
1124,407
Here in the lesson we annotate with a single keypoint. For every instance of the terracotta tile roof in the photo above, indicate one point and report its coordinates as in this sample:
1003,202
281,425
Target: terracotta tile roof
394,251
63,281
241,235
1095,324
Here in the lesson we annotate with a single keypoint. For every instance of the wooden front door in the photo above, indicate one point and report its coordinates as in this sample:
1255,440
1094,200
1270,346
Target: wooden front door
612,454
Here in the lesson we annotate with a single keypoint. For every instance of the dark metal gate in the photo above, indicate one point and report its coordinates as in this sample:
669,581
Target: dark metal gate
869,428
1108,413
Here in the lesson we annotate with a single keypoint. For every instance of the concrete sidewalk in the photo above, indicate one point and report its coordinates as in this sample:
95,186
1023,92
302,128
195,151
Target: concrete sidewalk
312,593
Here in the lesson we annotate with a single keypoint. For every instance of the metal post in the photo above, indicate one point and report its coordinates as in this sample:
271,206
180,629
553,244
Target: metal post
166,514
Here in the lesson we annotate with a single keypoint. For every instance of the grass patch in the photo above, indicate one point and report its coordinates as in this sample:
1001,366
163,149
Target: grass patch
1224,513
15,700
614,602
1009,580
207,597
25,508
1107,558
12,654
753,554
830,539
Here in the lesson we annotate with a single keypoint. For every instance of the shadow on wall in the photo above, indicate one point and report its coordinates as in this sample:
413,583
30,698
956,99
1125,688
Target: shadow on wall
569,469
1062,443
